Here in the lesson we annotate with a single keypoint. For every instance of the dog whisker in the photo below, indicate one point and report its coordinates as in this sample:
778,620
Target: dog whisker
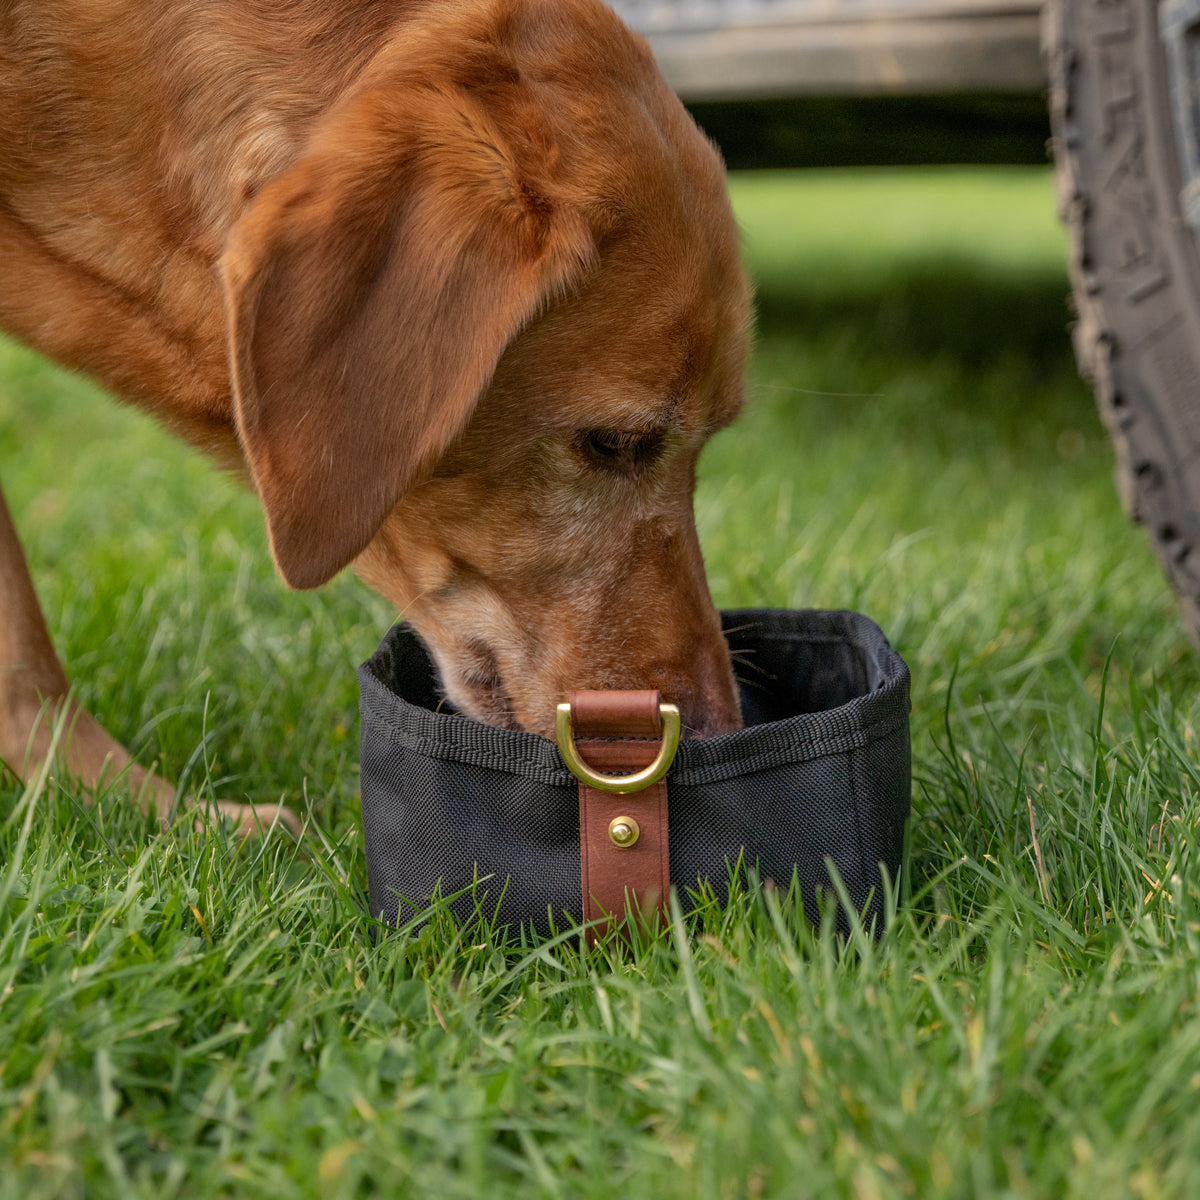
751,683
742,662
785,387
742,628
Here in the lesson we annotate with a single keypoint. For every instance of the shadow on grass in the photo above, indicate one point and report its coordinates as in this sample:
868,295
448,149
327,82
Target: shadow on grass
960,357
966,311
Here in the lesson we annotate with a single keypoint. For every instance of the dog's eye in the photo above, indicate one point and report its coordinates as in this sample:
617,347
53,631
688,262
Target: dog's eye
622,451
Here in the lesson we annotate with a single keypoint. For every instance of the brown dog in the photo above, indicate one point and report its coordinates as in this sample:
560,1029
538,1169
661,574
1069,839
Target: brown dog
454,283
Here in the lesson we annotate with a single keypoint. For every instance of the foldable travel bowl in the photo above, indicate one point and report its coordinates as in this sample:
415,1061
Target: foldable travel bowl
820,773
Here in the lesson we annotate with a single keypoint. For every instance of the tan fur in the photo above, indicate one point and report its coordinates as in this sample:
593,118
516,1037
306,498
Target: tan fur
396,262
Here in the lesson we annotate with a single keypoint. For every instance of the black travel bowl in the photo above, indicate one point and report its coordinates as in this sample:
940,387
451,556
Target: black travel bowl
820,772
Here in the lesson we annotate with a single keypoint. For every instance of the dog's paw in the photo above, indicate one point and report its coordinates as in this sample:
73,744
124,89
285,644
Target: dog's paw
247,819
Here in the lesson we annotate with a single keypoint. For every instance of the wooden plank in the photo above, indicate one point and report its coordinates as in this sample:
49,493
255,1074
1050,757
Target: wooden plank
677,16
982,51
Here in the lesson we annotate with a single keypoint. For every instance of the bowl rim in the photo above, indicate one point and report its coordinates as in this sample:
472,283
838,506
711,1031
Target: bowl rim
802,737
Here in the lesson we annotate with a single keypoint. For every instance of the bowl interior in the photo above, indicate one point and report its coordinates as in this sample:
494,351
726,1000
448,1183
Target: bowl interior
787,663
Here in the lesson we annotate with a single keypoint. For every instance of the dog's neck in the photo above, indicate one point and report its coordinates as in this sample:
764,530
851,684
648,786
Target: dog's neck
132,136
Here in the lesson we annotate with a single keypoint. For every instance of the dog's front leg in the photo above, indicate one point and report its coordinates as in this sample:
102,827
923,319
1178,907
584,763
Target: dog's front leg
35,699
34,695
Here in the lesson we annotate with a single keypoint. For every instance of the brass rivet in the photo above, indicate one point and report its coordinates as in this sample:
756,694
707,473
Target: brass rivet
624,832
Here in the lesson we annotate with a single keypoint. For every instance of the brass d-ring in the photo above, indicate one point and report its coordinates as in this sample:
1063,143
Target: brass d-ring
620,784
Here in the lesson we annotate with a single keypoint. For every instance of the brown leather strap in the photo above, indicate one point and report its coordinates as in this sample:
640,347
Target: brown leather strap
611,873
616,714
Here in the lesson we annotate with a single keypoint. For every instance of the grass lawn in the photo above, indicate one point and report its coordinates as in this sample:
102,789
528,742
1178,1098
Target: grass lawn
183,1015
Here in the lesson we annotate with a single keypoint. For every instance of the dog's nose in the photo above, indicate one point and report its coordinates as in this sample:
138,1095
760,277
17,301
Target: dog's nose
709,724
704,719
707,709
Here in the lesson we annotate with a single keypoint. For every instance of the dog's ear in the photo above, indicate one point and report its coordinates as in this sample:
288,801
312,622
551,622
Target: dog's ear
370,291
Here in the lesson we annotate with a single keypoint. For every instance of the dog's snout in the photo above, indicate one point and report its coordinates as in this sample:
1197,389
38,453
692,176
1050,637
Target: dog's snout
706,697
706,714
706,721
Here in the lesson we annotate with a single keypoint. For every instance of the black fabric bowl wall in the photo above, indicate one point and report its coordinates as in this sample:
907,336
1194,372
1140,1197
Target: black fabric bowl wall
820,771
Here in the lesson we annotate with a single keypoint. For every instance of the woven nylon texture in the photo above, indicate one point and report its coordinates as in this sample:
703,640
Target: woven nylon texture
821,770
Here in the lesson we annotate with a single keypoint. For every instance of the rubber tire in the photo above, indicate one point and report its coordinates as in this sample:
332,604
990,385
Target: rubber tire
1134,265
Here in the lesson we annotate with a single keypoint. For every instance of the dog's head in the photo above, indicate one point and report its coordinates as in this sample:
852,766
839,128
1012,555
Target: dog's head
479,334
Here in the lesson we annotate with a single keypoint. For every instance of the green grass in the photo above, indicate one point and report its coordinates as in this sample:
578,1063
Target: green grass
181,1015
